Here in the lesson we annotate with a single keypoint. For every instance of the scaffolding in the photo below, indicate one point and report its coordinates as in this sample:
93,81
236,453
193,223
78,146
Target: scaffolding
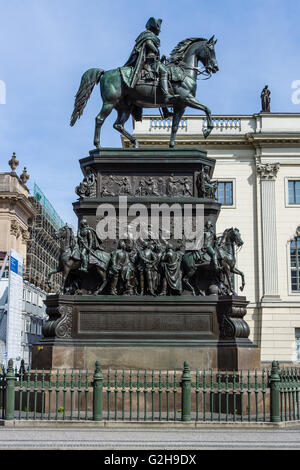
42,248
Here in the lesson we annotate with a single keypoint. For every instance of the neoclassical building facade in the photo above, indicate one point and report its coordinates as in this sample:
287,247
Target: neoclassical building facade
15,210
258,173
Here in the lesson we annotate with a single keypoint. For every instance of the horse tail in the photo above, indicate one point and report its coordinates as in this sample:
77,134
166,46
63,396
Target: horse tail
89,79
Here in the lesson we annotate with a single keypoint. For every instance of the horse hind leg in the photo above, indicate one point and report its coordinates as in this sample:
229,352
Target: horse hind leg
123,116
178,113
186,281
100,118
103,281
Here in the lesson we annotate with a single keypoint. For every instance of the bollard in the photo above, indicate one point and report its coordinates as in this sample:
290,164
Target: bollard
10,391
97,393
186,393
274,383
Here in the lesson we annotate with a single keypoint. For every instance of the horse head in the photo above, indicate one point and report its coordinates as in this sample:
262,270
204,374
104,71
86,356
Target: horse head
206,54
235,237
192,50
229,238
65,237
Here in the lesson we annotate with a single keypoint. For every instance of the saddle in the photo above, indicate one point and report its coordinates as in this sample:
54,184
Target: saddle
175,74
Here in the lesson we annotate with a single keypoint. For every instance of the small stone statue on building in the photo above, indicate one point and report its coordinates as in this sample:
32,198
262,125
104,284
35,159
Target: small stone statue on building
265,99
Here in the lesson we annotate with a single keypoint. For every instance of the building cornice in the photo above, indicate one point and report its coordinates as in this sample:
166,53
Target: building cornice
252,131
19,200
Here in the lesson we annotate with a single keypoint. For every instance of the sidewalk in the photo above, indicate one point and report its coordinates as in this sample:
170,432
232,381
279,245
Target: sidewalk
71,438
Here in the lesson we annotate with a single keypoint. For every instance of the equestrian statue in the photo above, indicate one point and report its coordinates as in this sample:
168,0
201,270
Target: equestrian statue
80,256
147,80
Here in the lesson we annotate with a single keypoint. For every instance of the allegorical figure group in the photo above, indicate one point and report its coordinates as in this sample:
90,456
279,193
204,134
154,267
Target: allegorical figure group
152,268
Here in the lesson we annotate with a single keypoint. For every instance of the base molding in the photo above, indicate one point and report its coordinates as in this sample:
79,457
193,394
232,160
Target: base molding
221,356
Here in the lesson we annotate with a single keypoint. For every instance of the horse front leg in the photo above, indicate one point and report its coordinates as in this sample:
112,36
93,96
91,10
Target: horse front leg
66,272
194,103
240,273
50,274
178,113
186,280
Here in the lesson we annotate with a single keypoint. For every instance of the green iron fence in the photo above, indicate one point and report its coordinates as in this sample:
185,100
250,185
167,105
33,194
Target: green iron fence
151,395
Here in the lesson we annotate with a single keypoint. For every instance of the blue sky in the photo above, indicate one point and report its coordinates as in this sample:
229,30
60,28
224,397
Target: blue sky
46,46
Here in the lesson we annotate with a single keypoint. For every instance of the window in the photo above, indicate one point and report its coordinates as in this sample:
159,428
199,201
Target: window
294,191
225,193
27,326
28,295
34,298
295,264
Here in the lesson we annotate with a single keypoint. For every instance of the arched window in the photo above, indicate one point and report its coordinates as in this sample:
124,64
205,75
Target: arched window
295,264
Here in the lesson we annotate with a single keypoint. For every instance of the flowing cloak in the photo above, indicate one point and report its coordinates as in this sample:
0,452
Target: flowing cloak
172,272
137,57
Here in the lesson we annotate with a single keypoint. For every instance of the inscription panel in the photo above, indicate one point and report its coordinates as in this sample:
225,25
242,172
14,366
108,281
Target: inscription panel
94,322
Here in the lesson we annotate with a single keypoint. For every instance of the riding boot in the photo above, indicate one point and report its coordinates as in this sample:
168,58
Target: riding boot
84,266
166,113
165,88
113,286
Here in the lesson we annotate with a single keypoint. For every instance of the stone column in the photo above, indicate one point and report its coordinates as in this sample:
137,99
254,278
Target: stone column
268,173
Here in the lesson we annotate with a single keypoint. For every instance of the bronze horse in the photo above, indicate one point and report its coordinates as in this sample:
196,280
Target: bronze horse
69,261
182,71
225,248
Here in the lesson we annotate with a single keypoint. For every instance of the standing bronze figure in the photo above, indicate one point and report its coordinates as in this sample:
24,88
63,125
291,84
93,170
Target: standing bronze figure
265,99
145,82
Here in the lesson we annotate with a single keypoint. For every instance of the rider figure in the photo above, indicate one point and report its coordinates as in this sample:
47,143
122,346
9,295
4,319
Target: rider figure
209,244
146,52
88,241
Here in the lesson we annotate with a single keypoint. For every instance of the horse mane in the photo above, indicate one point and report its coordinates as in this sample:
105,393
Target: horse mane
179,50
223,237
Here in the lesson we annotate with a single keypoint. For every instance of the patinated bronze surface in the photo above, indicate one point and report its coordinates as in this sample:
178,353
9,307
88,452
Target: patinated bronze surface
152,301
148,81
159,264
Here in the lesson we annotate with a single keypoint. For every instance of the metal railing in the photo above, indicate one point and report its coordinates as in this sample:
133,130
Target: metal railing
151,395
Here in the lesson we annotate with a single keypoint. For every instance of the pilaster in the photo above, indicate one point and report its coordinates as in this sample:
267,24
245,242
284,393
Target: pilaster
267,173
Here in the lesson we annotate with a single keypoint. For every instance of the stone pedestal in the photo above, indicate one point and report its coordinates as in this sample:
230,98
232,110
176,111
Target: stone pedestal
139,332
157,331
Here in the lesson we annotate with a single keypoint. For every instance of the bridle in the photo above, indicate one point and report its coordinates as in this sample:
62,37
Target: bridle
200,70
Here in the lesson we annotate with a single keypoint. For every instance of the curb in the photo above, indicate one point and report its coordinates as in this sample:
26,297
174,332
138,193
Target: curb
144,424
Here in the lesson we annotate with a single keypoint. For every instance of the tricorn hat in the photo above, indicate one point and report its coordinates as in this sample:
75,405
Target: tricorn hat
153,23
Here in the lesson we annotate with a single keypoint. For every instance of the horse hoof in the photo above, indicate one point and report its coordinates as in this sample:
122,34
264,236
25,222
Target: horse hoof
206,133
